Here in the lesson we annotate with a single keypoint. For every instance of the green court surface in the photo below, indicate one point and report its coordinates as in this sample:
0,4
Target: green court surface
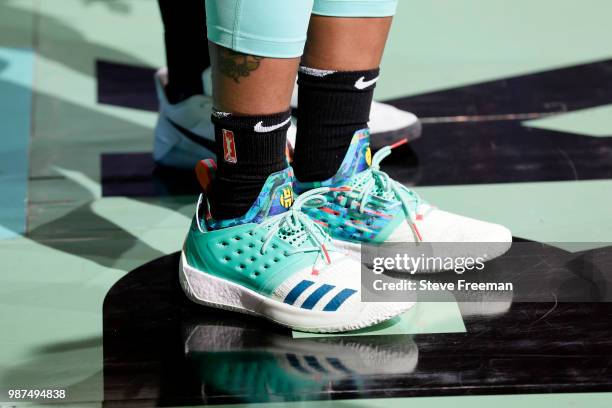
74,244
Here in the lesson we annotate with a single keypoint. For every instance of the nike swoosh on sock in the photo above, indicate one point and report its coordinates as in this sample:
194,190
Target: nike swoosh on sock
260,128
361,83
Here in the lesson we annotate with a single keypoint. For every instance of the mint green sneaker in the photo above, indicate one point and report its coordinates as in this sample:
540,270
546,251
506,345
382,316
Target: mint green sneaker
366,206
277,263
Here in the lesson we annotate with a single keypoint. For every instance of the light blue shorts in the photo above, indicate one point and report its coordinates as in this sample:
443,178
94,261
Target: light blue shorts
277,28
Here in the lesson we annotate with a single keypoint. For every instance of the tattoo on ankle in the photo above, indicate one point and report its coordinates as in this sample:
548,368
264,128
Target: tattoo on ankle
235,64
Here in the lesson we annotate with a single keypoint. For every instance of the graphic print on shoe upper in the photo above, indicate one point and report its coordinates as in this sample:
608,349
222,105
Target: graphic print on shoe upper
275,198
371,205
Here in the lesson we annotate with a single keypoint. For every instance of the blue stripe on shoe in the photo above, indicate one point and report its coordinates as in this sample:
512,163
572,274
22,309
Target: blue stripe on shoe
338,300
295,363
337,364
297,291
315,296
314,363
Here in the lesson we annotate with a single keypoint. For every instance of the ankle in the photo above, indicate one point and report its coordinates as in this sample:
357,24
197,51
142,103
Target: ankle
333,105
249,149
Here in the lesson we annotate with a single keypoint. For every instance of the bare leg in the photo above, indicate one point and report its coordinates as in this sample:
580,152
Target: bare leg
346,44
251,85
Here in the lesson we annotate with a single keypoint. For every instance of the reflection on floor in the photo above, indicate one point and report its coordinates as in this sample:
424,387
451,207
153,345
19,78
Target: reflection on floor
160,348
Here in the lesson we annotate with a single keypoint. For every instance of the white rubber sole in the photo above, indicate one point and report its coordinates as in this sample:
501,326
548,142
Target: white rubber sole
495,250
209,290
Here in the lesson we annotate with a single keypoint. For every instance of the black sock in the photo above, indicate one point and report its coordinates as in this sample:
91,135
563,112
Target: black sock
247,153
186,47
332,106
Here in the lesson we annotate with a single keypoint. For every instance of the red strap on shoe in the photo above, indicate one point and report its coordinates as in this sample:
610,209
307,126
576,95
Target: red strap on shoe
205,171
399,143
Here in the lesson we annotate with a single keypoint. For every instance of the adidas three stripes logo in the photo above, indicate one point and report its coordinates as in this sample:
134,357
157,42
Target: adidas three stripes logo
311,301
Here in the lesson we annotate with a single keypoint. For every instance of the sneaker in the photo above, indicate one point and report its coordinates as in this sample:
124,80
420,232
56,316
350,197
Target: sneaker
277,263
387,123
366,206
184,133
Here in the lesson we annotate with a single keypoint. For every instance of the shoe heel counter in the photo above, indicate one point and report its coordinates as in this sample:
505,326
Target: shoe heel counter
190,247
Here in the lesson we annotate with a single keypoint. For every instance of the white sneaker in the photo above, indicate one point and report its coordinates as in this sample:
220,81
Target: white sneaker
184,133
388,123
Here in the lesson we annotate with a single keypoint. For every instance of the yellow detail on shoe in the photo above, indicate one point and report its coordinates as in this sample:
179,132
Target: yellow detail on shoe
368,156
286,198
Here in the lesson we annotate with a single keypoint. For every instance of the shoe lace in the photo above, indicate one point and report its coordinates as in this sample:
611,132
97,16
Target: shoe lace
295,221
376,178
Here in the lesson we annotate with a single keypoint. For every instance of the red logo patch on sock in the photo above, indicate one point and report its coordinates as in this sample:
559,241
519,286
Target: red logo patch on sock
229,146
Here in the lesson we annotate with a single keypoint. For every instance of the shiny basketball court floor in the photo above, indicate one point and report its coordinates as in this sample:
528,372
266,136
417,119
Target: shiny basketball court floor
516,98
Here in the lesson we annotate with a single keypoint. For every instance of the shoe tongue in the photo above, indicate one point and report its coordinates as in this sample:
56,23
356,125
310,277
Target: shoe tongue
358,156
